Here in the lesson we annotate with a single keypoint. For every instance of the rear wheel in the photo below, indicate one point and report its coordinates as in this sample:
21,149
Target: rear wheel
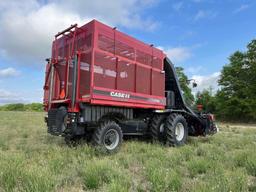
176,130
157,128
108,137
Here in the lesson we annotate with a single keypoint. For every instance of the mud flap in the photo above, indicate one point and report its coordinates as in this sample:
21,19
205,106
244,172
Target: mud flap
55,121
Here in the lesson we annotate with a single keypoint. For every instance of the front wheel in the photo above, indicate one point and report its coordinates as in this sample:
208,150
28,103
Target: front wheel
176,130
108,137
157,128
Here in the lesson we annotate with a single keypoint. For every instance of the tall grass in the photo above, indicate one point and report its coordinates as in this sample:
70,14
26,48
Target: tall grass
32,160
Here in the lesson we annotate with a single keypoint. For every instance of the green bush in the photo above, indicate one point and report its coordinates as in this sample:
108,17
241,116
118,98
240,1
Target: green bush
198,166
22,107
162,178
248,161
15,107
34,107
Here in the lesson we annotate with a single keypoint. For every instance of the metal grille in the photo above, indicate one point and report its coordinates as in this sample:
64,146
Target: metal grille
94,113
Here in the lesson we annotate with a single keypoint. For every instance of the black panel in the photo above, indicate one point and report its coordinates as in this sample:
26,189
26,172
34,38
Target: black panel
133,127
92,113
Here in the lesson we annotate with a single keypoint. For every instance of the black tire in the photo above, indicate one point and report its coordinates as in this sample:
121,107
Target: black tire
156,131
176,121
102,139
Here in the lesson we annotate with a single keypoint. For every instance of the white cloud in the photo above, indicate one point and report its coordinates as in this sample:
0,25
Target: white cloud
26,37
177,54
28,27
205,82
8,72
125,13
6,94
7,97
177,6
201,14
241,8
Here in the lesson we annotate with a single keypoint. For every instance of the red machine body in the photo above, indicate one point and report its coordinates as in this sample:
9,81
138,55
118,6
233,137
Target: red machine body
114,69
102,84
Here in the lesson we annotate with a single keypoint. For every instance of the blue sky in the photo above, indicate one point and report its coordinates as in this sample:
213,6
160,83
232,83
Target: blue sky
198,35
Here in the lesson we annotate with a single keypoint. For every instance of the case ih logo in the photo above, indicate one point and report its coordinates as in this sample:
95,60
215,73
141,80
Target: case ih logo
120,95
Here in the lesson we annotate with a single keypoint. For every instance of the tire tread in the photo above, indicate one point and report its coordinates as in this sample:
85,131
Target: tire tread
97,138
171,121
154,126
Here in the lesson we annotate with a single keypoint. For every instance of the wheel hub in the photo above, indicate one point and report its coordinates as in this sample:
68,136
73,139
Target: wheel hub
111,139
179,131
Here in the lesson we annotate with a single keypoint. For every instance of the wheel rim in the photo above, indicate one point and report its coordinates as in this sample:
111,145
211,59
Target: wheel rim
179,131
111,139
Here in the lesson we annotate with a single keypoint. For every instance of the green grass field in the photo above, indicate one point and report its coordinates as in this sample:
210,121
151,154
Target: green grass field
32,160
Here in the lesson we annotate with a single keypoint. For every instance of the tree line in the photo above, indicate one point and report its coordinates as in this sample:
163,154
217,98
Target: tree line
22,107
236,98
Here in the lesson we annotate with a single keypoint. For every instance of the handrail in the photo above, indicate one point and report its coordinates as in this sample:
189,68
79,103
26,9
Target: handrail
66,30
70,54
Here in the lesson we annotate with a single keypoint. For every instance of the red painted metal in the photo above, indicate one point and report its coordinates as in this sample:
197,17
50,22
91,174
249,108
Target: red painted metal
122,104
108,61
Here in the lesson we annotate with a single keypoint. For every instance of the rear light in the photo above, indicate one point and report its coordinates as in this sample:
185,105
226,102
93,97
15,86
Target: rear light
46,87
199,107
211,117
45,106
